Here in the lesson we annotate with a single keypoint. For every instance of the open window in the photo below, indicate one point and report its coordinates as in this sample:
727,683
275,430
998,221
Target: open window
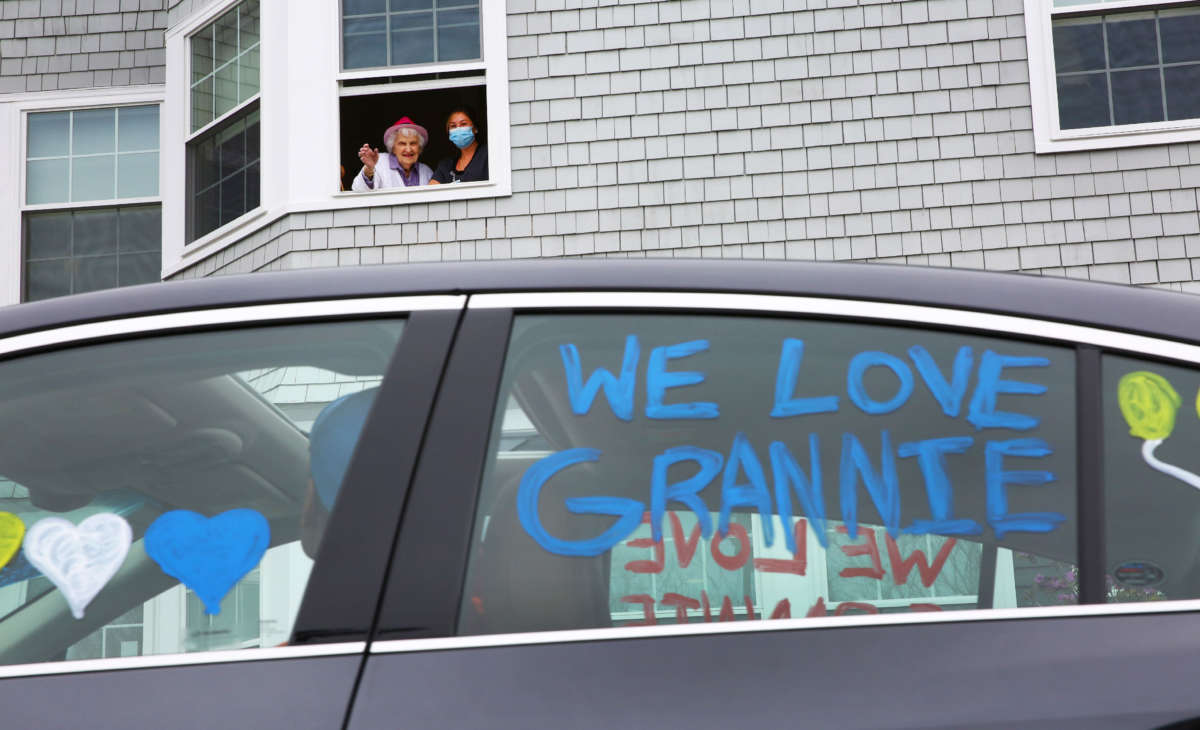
421,59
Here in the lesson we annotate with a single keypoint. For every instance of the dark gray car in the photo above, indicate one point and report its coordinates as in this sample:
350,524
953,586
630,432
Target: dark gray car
601,494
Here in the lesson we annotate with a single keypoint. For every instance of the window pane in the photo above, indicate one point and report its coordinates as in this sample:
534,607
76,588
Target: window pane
49,134
1152,494
232,144
252,135
208,211
202,104
412,46
93,178
1180,30
225,95
233,197
95,231
401,5
1182,83
225,32
139,268
93,273
364,51
93,131
784,468
137,128
46,181
45,279
248,24
47,235
1131,42
1083,101
1137,96
252,187
137,174
1078,46
248,72
458,34
202,53
141,229
363,7
364,26
242,433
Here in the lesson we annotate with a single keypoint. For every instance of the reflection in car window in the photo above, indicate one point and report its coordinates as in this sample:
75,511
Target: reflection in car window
1152,491
159,496
662,469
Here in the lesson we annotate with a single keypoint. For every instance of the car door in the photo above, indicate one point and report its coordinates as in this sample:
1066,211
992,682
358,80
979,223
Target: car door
168,481
694,510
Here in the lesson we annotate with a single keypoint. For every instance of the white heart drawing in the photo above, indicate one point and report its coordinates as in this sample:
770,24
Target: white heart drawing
79,560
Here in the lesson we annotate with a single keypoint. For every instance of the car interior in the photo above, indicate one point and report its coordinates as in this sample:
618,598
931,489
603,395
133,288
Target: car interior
152,424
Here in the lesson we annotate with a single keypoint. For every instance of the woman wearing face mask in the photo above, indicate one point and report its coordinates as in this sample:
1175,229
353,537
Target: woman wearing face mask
472,161
404,142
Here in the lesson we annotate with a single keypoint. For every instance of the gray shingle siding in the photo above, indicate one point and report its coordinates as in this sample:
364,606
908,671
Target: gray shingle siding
47,45
828,129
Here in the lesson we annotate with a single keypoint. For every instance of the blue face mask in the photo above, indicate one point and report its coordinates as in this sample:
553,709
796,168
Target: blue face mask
462,137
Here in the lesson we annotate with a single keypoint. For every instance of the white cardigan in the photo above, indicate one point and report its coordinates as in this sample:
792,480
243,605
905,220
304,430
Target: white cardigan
388,175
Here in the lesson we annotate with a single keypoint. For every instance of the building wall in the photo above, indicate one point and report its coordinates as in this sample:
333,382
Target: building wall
46,45
893,131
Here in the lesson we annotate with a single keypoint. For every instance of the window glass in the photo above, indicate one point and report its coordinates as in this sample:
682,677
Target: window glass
92,154
225,63
650,469
67,252
191,475
1150,479
224,165
402,32
1126,68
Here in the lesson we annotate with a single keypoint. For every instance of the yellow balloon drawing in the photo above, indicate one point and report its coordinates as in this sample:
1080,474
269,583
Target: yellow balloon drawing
1148,403
12,531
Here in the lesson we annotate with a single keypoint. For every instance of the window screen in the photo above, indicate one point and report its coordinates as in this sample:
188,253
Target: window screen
659,469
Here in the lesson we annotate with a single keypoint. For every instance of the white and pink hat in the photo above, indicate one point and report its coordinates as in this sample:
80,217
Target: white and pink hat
404,123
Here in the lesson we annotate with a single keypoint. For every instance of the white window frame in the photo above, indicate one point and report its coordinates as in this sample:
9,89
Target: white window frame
299,96
1043,87
14,116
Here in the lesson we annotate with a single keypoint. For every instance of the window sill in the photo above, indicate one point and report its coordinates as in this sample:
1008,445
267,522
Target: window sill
418,194
1128,135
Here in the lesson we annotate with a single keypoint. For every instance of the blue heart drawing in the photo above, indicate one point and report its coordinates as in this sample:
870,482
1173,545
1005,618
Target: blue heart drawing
208,554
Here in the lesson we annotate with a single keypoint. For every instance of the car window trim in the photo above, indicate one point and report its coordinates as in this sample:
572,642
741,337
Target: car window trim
1026,327
154,661
218,316
625,633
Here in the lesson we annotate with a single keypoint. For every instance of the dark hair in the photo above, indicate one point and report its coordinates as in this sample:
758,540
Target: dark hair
469,111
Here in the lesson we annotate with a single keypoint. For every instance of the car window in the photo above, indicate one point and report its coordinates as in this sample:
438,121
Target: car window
165,494
667,468
1151,482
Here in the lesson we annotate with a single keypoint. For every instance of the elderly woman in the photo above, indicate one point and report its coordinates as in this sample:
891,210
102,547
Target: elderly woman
471,162
404,141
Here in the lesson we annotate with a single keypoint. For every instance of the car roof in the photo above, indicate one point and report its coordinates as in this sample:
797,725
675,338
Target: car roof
1113,306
